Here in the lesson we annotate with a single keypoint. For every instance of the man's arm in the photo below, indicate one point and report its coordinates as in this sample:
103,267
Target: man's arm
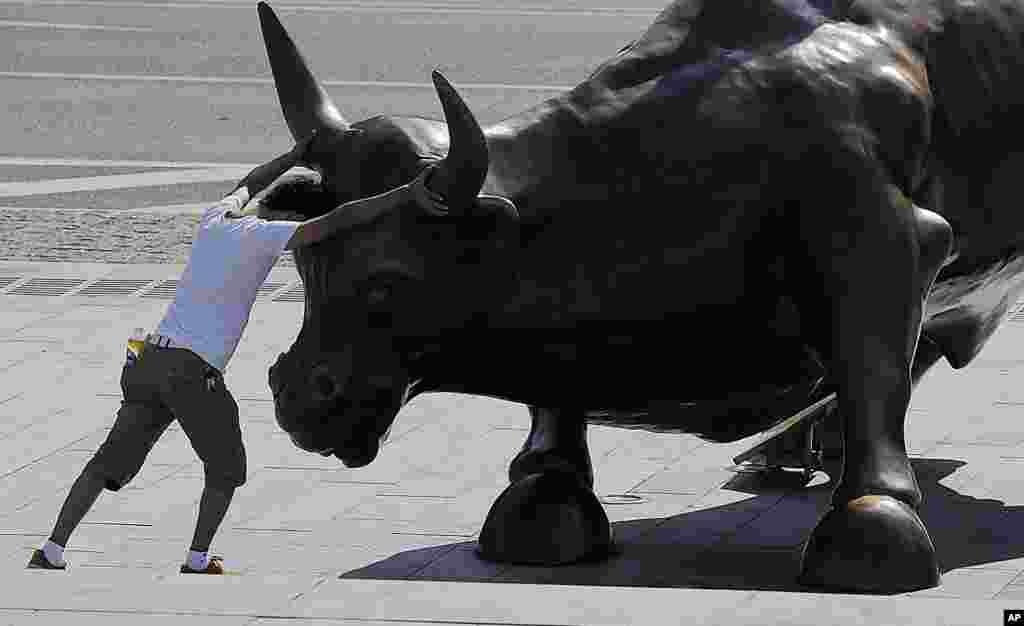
263,175
358,212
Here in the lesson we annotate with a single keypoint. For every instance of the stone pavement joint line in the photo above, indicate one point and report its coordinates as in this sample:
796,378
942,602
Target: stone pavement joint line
246,80
121,181
159,288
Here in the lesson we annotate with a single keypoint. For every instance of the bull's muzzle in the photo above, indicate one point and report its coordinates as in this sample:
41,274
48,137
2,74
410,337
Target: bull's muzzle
304,441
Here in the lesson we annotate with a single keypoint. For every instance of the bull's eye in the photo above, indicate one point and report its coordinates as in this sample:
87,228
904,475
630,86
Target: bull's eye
378,294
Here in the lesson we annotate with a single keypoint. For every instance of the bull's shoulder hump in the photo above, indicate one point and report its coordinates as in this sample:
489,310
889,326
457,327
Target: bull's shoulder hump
849,54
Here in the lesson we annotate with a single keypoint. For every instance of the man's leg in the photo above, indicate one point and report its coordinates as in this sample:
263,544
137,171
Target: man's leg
80,499
212,507
209,416
140,423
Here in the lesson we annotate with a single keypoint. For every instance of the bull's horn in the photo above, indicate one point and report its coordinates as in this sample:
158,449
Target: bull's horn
304,101
461,175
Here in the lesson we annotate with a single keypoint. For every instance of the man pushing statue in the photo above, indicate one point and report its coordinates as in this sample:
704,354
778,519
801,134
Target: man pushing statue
178,374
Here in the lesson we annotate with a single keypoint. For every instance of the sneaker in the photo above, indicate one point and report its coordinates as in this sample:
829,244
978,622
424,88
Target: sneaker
215,566
39,561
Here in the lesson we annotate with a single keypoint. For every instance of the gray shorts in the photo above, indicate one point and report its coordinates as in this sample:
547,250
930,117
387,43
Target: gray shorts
165,384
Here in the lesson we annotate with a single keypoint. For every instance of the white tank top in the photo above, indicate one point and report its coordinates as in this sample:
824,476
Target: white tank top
230,259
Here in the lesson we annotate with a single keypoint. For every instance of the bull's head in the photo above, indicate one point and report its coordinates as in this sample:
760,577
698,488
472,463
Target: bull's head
413,260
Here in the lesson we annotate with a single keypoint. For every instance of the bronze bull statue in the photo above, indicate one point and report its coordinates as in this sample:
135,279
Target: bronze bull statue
753,204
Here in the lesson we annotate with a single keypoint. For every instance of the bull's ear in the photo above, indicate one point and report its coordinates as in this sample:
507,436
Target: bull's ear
489,241
434,204
497,205
495,219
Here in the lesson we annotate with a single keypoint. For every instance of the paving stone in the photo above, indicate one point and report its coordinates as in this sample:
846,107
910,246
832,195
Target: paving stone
12,321
728,566
698,471
267,445
994,424
51,474
970,584
813,609
34,516
102,589
38,441
152,474
630,565
652,508
80,328
474,462
444,459
305,555
296,509
514,604
14,353
24,409
431,407
404,564
273,498
462,562
172,503
707,522
161,549
464,514
787,524
964,468
620,471
15,547
246,376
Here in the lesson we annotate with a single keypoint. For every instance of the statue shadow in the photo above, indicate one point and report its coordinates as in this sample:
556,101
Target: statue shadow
752,544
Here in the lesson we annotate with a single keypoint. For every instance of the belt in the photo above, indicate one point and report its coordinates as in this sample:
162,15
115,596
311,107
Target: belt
212,376
163,341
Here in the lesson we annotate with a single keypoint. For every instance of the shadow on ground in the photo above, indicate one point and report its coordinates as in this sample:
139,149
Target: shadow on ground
752,544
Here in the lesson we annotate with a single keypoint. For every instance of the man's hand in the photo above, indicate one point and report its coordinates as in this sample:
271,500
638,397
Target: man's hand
301,150
263,175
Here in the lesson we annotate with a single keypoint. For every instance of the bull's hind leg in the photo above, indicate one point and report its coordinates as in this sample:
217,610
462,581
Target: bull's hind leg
814,440
871,267
549,514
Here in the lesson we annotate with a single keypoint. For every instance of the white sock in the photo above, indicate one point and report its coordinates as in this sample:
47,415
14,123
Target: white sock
198,560
54,553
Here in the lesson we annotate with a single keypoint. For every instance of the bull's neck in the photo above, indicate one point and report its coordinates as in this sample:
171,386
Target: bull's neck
541,158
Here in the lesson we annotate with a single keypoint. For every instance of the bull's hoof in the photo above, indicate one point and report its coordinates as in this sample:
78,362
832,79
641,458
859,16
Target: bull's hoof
546,519
872,544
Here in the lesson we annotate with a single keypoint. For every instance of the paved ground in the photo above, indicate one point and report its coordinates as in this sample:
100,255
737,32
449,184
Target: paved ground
125,116
393,542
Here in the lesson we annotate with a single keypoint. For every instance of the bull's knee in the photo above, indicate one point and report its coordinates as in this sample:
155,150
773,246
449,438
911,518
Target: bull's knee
557,443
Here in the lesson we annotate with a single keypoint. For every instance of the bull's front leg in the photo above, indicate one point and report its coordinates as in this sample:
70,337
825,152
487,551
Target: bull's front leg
873,264
549,514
